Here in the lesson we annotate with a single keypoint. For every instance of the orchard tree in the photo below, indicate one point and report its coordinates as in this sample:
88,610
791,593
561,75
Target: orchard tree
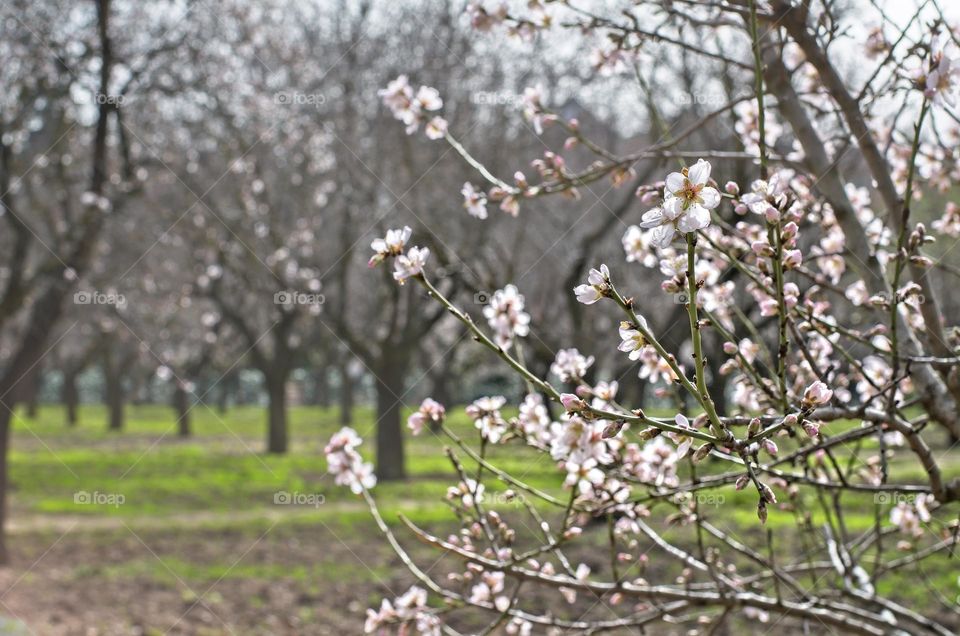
833,339
71,67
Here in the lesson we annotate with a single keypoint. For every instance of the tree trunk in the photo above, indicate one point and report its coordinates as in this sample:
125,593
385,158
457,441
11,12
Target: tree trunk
5,414
112,387
321,387
31,391
115,405
277,411
181,404
346,396
390,462
71,397
223,396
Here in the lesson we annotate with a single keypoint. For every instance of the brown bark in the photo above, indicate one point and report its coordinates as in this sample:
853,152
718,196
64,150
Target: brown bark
277,414
181,404
390,455
71,397
346,396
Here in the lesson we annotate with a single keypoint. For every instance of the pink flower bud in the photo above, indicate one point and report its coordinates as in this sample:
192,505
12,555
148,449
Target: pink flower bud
612,429
650,197
772,214
702,452
811,428
770,446
572,403
767,493
742,482
817,393
731,188
730,348
792,259
790,420
741,209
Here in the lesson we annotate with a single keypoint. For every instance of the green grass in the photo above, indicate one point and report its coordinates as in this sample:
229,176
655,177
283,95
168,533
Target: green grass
221,467
219,480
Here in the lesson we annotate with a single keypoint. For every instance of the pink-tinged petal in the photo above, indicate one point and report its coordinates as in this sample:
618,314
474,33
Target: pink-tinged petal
684,447
674,182
711,198
681,420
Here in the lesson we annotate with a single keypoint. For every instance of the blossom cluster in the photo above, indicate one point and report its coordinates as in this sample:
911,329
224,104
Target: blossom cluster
346,464
413,108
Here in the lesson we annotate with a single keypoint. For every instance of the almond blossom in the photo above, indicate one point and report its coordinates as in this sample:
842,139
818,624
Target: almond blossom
410,264
570,365
430,411
475,201
597,286
409,612
632,340
637,246
346,464
909,518
391,245
485,413
506,316
939,82
412,108
686,205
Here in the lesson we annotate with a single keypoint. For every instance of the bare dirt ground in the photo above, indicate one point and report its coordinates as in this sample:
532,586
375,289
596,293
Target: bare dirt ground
297,578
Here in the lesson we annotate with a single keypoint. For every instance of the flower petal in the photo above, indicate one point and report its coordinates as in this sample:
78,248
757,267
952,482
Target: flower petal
662,236
711,198
675,182
699,173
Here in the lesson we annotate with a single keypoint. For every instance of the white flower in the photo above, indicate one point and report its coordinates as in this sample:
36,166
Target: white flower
909,518
345,463
475,201
391,245
533,108
686,206
410,264
939,84
486,417
763,194
436,128
632,340
468,492
683,442
598,286
583,473
430,411
570,365
637,247
506,316
534,419
409,614
412,109
428,98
